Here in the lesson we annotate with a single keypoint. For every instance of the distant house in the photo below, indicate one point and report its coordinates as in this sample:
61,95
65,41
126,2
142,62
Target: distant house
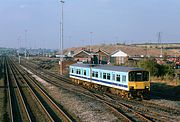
119,57
103,56
86,57
70,53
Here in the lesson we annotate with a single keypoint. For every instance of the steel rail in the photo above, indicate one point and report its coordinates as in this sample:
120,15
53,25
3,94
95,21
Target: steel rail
34,95
60,112
9,92
141,110
24,112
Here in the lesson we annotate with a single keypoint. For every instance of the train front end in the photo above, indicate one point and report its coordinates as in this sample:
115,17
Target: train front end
139,84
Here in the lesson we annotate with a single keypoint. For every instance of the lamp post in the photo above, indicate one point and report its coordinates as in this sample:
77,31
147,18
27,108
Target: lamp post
61,39
61,31
25,43
90,41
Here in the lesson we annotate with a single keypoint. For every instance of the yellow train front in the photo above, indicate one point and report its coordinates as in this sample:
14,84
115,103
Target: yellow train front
139,84
128,82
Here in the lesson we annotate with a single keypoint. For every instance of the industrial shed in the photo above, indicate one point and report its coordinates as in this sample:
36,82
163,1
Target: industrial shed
119,57
103,56
86,56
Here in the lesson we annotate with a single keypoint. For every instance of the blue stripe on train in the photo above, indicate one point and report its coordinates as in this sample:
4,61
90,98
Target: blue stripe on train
125,86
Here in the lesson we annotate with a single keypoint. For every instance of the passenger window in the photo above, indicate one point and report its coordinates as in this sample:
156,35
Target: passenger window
108,76
76,71
72,70
84,72
124,78
93,74
104,75
97,74
118,78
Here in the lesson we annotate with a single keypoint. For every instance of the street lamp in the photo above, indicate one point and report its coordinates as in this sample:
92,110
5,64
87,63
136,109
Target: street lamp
61,39
61,31
25,43
90,41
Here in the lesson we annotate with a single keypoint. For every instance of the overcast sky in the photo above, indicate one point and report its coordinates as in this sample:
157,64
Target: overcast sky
111,21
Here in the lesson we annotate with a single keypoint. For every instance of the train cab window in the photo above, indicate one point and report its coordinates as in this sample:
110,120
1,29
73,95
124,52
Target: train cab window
139,76
108,76
118,78
84,72
104,75
124,78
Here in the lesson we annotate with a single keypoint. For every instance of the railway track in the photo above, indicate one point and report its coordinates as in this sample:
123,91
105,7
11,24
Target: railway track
144,112
38,105
135,111
18,108
124,114
6,110
36,108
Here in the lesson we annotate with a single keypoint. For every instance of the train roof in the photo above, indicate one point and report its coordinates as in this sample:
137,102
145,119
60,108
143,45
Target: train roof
108,67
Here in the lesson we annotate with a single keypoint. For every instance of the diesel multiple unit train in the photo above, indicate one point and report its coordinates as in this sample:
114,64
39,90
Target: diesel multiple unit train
129,82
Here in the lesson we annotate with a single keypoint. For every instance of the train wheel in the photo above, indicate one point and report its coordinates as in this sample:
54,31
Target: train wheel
130,96
146,96
104,89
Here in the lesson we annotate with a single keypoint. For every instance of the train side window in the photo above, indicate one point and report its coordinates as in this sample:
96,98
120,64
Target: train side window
113,77
76,71
118,78
124,78
108,76
72,70
104,75
84,72
93,74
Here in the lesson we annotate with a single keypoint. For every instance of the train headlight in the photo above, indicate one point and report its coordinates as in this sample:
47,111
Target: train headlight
147,87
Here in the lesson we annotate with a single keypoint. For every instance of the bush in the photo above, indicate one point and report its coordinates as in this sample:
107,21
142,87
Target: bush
157,70
149,65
